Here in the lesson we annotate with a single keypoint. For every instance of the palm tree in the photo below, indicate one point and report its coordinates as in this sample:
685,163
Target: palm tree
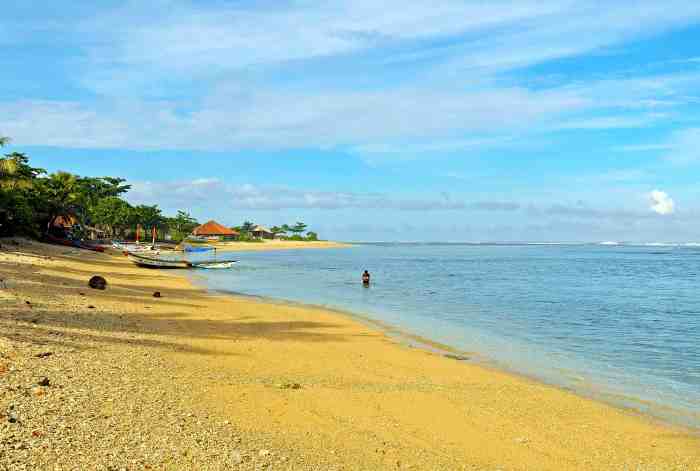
15,172
298,228
62,196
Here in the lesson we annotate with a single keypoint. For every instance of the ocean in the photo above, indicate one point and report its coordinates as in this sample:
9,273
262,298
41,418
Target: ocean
619,323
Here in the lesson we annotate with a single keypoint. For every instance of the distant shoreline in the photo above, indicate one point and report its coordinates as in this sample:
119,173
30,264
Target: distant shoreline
278,245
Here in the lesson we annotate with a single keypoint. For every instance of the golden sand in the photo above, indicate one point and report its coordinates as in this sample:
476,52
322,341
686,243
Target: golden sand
328,386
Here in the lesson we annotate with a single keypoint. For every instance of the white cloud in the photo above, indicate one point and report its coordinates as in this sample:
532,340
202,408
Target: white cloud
661,203
240,76
684,146
205,39
282,120
613,122
187,194
643,147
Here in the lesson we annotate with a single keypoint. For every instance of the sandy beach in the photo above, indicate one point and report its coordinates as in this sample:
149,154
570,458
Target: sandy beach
120,379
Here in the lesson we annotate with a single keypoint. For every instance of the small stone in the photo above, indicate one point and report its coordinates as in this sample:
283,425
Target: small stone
43,354
44,381
12,417
91,306
264,453
156,294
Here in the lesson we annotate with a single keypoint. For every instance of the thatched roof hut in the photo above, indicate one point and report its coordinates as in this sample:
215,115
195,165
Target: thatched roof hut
214,229
262,232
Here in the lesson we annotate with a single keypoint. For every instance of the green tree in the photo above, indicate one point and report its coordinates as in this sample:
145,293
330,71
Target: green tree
149,216
61,195
16,173
298,228
311,236
113,214
247,227
181,225
277,230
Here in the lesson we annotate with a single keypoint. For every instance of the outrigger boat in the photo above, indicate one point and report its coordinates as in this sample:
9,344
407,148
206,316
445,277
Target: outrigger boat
211,265
192,248
153,262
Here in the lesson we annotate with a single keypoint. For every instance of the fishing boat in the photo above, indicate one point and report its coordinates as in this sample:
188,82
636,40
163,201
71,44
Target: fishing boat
160,262
193,249
214,265
153,262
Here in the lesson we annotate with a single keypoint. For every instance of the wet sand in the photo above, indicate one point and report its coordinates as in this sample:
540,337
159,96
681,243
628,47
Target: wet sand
196,380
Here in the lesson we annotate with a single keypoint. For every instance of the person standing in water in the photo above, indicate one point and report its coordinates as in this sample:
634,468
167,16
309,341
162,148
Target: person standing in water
365,278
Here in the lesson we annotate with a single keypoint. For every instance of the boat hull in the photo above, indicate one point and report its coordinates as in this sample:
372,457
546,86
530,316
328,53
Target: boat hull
150,262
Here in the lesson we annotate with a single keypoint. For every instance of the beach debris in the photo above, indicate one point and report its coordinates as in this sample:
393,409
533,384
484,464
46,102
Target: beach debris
156,294
81,294
44,381
289,386
453,356
28,303
91,306
12,417
43,354
263,453
97,282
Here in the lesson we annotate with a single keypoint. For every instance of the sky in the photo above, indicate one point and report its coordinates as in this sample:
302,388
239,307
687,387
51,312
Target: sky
547,120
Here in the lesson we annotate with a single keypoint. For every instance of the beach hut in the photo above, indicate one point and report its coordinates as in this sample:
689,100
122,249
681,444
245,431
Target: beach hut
214,231
262,232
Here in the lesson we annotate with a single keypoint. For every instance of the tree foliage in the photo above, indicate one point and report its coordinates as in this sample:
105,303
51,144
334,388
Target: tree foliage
30,200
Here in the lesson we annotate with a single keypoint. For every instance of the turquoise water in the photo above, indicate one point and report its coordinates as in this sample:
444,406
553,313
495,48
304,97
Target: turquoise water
617,322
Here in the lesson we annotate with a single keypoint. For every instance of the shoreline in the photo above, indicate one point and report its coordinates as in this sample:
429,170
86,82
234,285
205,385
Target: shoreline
285,386
273,245
403,337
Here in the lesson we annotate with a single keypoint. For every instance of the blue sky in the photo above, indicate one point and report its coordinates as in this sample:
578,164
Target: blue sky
445,120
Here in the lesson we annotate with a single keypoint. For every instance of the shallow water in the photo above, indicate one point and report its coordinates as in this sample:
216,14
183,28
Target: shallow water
618,322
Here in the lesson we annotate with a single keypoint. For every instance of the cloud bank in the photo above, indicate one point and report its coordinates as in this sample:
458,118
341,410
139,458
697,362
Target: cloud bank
428,77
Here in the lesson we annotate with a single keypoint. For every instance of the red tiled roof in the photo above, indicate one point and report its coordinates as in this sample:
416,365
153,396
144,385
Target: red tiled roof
213,228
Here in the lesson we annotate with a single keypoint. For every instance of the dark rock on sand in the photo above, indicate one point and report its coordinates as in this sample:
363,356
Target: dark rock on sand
97,282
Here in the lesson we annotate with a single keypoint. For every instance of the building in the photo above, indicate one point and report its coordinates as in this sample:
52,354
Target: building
262,232
214,231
